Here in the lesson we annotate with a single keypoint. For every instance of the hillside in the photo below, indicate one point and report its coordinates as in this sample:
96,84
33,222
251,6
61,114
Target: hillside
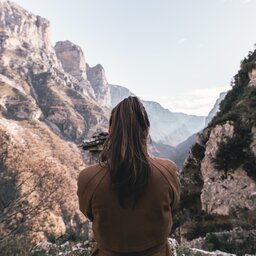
43,111
219,176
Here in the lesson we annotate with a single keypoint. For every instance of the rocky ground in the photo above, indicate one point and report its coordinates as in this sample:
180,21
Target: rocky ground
85,248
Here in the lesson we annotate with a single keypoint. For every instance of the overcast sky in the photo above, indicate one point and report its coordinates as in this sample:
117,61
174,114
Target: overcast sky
181,53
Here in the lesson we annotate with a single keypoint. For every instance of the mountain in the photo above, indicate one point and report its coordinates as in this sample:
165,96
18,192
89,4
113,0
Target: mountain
50,101
217,209
182,150
166,127
215,108
46,104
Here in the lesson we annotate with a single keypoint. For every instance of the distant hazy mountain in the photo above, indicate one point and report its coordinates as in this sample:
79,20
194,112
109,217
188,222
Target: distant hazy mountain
166,127
182,150
215,108
118,93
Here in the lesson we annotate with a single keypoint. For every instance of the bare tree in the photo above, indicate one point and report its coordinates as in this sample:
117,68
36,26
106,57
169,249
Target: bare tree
29,187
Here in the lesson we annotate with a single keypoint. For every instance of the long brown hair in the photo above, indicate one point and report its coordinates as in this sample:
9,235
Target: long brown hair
125,150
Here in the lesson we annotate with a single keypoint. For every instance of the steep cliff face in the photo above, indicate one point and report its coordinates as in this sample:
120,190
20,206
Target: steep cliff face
96,76
92,81
43,110
73,62
34,83
219,176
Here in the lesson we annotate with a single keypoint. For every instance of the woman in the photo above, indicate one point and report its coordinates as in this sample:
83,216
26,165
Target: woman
129,196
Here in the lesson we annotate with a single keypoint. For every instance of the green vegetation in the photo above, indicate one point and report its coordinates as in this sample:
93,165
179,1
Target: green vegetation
198,151
212,243
205,223
235,151
181,251
239,106
226,244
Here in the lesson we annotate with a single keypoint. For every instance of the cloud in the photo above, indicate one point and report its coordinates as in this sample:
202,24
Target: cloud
246,1
194,102
182,40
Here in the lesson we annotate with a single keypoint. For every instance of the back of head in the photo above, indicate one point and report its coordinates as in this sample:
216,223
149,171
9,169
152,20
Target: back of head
125,150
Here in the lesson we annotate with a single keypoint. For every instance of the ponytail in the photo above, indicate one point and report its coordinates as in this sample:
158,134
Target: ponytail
125,150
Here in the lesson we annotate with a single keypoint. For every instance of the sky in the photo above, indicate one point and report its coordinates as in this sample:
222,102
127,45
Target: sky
180,53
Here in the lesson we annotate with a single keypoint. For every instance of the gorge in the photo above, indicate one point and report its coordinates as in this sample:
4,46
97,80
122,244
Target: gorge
51,100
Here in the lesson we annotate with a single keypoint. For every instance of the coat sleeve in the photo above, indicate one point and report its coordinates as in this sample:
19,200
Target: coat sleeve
85,194
174,184
172,176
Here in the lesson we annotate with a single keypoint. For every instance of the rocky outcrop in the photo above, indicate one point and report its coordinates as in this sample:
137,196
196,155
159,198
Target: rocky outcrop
220,195
34,83
91,81
218,179
43,111
96,76
34,30
73,62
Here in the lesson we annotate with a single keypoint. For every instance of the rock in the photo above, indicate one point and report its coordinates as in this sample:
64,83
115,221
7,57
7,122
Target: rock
222,196
42,113
215,253
253,144
96,76
73,62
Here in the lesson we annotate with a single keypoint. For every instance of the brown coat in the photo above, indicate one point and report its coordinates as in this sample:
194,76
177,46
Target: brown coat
142,230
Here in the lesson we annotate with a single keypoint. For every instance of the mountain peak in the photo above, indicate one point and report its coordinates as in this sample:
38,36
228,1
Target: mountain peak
72,59
21,26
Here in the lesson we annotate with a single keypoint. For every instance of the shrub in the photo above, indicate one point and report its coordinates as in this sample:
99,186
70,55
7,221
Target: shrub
235,151
212,243
198,151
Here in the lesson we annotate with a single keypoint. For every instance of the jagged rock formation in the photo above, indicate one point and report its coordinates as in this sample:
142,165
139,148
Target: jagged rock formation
96,76
91,80
49,96
34,83
219,176
166,127
73,62
43,110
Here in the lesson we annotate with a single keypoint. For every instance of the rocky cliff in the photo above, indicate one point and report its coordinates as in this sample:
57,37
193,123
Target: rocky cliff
92,81
46,104
219,176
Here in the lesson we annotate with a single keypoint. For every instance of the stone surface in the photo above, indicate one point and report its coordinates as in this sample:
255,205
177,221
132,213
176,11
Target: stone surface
73,62
253,144
92,81
42,113
222,196
96,76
